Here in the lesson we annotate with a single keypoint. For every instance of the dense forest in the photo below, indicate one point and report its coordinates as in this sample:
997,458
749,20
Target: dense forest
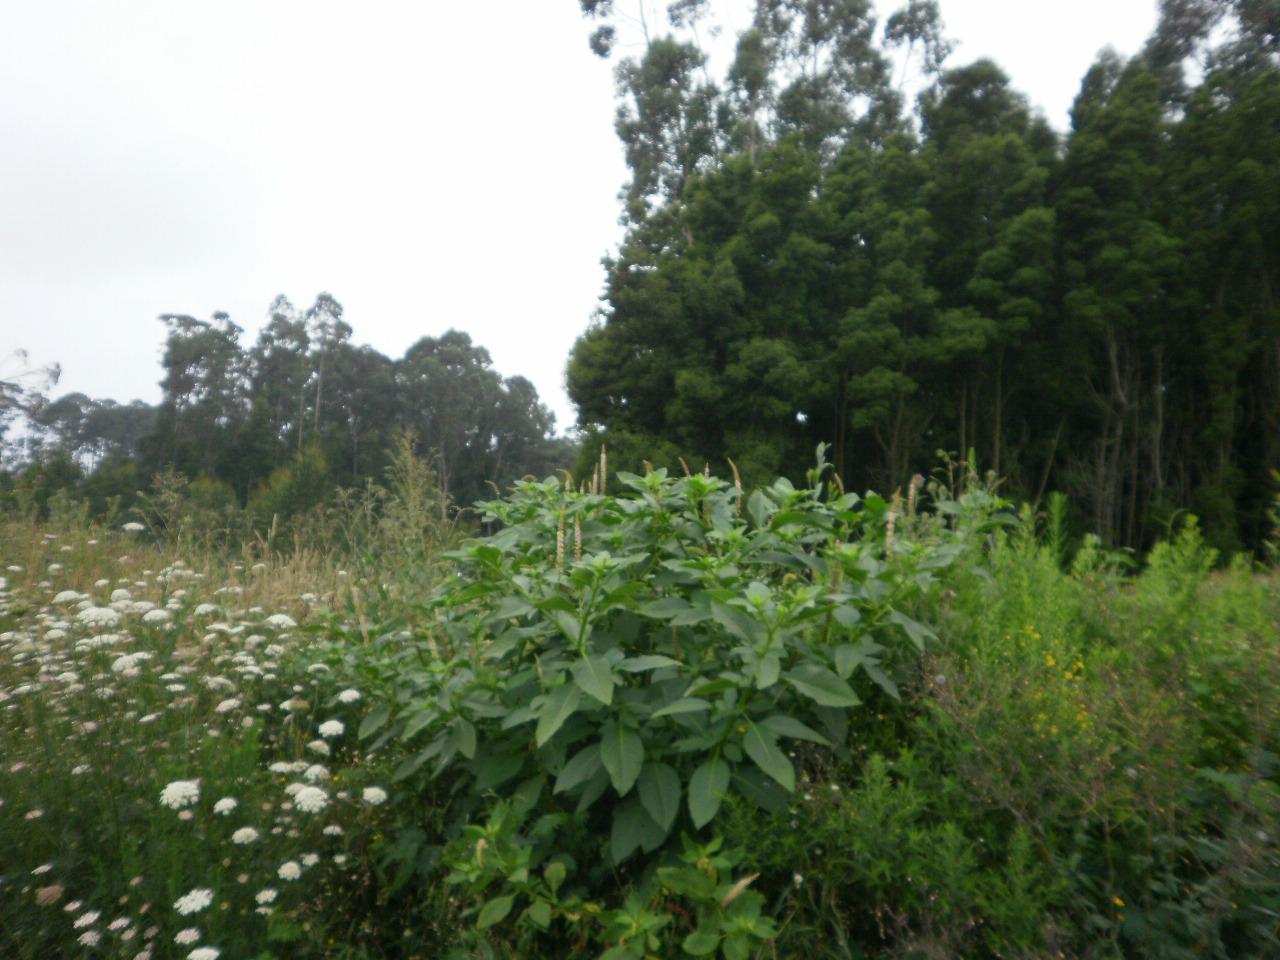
808,258
847,239
279,425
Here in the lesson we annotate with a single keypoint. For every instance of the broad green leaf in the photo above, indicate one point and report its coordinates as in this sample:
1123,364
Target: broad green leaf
785,726
622,752
665,608
736,622
822,686
633,829
683,705
494,769
595,678
767,669
511,606
761,745
556,709
464,737
495,911
847,616
415,724
916,630
539,914
707,787
872,670
554,874
659,789
707,687
846,658
761,508
581,768
702,942
648,662
569,625
373,722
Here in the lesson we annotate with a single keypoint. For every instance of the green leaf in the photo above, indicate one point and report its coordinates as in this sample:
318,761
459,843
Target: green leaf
493,769
622,752
649,662
822,686
916,630
665,608
761,745
539,914
707,787
581,768
872,670
708,687
495,911
846,657
736,622
702,942
373,722
554,875
595,678
761,508
569,625
683,705
785,726
847,616
415,724
464,737
659,789
556,709
633,829
767,669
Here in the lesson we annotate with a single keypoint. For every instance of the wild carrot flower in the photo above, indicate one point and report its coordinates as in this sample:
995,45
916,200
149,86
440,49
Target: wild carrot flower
332,728
374,796
194,901
350,695
224,806
311,799
180,793
289,870
244,835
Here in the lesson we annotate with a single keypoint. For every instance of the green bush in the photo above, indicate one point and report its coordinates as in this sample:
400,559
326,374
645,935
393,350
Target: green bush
615,667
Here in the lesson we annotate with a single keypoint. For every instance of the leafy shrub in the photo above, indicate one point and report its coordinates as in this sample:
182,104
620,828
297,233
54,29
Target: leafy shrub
619,666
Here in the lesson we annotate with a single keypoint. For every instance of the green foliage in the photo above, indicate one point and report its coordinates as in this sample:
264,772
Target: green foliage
628,662
1091,313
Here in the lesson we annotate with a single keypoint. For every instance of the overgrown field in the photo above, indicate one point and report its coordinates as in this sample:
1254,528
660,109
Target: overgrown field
674,719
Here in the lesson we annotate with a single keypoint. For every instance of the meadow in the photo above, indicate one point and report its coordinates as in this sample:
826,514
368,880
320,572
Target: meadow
671,718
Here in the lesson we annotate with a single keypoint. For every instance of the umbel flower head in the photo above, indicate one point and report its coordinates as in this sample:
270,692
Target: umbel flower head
194,901
180,793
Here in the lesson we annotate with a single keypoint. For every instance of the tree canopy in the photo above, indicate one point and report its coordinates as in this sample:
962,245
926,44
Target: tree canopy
809,258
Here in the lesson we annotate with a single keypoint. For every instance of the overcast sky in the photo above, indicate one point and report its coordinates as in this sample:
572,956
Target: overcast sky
430,164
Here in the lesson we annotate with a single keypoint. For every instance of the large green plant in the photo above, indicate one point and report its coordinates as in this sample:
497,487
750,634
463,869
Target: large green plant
620,664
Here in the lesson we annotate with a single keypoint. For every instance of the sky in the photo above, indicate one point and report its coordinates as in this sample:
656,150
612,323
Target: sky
430,164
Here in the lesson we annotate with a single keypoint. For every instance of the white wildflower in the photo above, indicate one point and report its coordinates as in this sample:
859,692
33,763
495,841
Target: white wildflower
311,799
374,796
289,870
225,806
350,695
194,901
180,793
244,835
332,728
